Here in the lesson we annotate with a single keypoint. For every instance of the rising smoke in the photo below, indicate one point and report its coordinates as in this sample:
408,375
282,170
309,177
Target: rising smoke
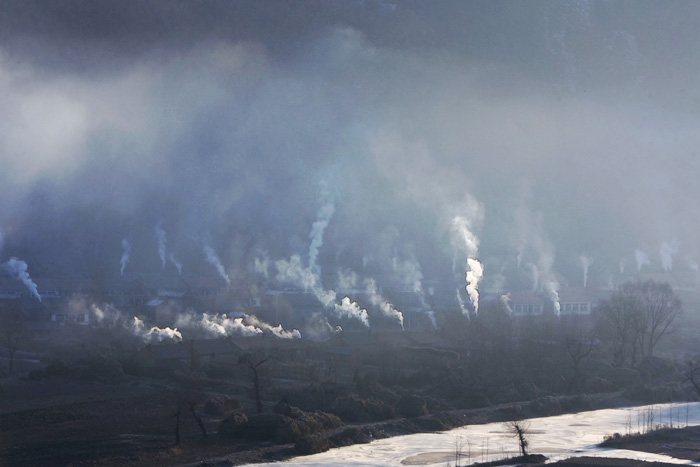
641,258
585,264
126,253
667,251
231,128
154,334
323,217
213,259
162,242
18,269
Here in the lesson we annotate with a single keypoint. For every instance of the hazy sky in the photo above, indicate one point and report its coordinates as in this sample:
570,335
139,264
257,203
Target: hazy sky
558,129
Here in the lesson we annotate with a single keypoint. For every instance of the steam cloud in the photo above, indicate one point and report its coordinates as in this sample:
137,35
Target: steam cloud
18,269
213,259
126,253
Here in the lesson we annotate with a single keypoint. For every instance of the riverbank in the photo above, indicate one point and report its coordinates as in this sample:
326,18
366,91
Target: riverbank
439,422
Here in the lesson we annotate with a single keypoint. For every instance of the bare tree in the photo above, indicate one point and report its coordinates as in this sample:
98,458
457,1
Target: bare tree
578,343
638,314
190,394
694,375
519,429
254,363
13,329
661,307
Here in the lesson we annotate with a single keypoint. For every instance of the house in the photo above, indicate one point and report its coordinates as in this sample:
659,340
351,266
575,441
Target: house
526,303
574,301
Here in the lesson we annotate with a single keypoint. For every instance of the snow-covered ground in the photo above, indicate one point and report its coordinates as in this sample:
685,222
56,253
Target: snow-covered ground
558,438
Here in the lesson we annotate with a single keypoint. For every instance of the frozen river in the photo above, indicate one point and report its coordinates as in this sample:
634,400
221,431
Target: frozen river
558,438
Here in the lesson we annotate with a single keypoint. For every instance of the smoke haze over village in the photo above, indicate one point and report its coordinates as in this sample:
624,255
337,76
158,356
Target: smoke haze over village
216,137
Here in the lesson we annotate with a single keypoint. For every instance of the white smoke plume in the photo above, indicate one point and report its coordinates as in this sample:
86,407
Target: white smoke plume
377,300
667,251
323,217
217,325
693,265
126,253
431,316
552,289
535,273
155,334
349,309
474,275
318,328
162,241
175,262
470,245
213,259
462,307
519,257
106,315
409,271
2,241
222,325
585,264
505,301
622,266
276,331
366,260
18,269
641,258
294,272
346,279
262,266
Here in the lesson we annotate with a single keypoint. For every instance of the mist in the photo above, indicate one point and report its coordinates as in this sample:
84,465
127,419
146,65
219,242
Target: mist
352,141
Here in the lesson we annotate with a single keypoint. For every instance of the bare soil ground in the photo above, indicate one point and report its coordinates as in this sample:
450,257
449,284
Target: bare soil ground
683,443
62,422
